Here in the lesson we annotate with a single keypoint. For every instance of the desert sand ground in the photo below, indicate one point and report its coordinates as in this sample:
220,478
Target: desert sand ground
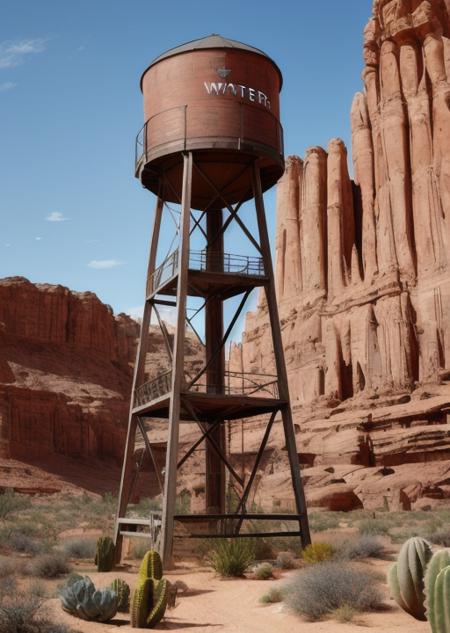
232,606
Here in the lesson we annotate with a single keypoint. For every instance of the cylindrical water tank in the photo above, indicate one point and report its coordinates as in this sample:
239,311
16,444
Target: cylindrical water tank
219,98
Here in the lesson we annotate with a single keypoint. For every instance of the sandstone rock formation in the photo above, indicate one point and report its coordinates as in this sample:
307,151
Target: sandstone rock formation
65,373
363,265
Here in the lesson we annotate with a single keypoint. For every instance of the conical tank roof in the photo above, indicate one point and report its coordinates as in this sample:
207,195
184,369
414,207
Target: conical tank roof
211,41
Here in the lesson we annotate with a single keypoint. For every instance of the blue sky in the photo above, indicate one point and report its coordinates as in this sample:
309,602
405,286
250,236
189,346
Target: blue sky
71,212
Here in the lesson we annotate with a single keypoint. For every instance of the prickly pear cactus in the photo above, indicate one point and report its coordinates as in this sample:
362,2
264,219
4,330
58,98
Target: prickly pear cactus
104,558
151,565
406,576
440,561
141,603
82,600
122,590
160,597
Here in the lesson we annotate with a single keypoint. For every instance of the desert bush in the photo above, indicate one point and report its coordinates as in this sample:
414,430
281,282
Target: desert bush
79,548
285,560
263,549
273,595
264,571
317,552
19,542
49,566
321,521
22,613
7,567
10,502
321,589
441,538
231,557
363,547
37,588
374,527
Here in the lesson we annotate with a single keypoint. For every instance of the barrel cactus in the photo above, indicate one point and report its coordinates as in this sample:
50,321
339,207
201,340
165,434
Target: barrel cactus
104,557
406,576
84,601
434,601
122,590
151,565
150,597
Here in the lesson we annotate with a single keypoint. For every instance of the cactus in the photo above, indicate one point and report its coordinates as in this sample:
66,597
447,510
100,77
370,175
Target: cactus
149,600
440,561
160,596
151,566
82,600
104,558
406,576
122,590
141,603
439,614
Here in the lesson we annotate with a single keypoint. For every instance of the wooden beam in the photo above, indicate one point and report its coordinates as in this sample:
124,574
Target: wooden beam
138,376
149,451
170,481
286,412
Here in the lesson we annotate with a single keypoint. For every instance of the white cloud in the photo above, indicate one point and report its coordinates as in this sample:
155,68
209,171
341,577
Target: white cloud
38,239
7,85
7,245
103,264
13,53
56,216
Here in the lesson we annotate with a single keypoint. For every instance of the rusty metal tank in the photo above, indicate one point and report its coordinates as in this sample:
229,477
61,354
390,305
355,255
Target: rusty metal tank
219,98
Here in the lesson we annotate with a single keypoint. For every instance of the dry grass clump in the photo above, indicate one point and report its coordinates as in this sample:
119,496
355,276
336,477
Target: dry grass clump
286,560
263,571
11,502
321,589
363,547
375,527
81,548
50,565
317,552
231,557
274,595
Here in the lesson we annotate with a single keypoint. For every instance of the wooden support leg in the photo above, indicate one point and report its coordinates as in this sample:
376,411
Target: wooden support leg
283,387
170,482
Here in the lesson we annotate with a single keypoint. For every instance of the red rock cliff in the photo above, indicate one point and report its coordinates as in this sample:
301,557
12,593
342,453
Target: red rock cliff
65,372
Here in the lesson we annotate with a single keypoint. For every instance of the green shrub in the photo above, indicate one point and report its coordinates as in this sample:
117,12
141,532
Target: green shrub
49,566
363,547
79,548
374,527
273,595
321,589
317,552
11,502
263,571
231,557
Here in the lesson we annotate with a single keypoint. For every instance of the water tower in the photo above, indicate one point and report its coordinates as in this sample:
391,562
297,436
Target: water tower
212,141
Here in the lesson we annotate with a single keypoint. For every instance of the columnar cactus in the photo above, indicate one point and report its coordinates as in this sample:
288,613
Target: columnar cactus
122,590
82,600
149,599
151,565
104,558
439,562
406,576
438,611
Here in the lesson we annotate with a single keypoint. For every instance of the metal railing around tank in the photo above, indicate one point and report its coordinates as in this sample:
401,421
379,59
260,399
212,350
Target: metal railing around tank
178,129
204,261
235,383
